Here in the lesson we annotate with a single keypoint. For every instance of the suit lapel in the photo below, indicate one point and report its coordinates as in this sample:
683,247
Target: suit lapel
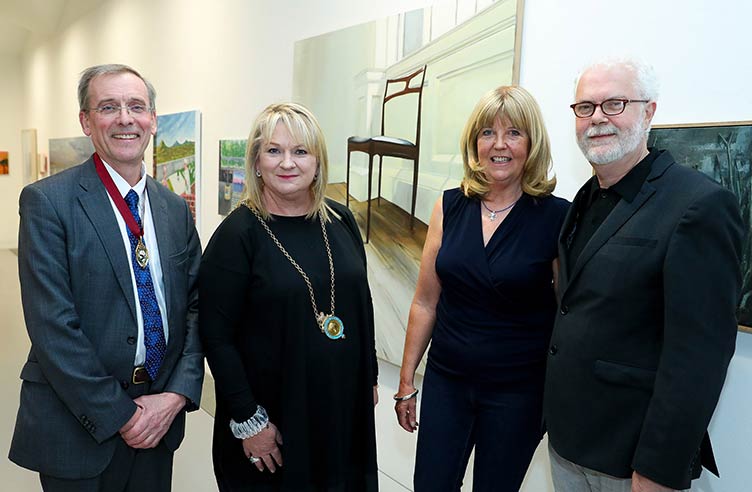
616,219
96,206
566,234
160,217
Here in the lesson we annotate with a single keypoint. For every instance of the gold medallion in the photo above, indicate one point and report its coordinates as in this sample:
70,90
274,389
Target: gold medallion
333,328
142,254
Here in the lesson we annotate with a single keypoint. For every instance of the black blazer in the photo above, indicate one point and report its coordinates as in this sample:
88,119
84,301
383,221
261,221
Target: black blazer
646,329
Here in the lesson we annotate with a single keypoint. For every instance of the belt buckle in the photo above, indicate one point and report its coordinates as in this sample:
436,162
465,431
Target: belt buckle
140,375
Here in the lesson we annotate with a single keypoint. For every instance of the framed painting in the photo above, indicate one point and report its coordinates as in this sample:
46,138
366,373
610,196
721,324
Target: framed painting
29,155
177,155
4,168
722,151
231,174
69,152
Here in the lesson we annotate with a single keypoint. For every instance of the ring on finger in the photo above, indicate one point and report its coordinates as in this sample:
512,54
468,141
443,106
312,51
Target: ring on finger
253,459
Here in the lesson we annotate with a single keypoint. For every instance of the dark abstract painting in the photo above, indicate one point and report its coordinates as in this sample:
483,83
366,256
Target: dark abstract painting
722,151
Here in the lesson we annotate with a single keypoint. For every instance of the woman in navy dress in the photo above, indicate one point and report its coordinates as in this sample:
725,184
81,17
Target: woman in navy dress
485,300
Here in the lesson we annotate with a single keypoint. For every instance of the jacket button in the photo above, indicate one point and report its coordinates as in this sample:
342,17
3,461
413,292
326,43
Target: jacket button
131,340
553,350
124,384
564,310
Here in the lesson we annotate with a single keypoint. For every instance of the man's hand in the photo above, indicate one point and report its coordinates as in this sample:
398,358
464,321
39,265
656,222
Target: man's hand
644,484
152,419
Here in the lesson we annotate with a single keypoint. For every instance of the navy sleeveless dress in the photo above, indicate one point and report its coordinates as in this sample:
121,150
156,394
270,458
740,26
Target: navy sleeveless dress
484,381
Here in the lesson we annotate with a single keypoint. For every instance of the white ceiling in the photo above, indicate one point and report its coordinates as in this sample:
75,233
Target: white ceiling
20,20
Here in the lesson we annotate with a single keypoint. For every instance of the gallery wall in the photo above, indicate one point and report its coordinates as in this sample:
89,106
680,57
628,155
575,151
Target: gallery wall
226,59
229,59
10,141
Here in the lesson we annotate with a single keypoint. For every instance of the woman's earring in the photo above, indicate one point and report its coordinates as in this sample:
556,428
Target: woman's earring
258,173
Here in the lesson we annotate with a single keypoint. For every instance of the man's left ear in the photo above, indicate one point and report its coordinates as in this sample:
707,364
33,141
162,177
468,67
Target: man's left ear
153,123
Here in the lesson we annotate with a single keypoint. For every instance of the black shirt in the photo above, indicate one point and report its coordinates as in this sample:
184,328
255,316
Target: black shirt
598,203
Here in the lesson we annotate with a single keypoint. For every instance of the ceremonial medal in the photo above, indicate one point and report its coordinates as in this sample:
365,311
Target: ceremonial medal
142,254
332,327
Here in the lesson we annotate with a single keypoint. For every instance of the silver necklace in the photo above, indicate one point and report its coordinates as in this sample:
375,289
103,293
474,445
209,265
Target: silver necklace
492,213
329,324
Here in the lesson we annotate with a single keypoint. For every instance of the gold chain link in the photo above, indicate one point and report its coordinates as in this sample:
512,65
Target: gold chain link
318,315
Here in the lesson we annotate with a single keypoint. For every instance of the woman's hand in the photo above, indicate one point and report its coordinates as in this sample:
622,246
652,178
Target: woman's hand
407,416
265,447
375,394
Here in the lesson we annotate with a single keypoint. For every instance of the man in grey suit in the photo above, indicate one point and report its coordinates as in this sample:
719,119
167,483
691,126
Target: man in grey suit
648,288
107,261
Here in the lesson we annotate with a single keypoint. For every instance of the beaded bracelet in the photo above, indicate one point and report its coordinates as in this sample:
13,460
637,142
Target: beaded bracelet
406,397
252,426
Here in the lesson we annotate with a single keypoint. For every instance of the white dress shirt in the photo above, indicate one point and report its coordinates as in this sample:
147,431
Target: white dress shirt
150,239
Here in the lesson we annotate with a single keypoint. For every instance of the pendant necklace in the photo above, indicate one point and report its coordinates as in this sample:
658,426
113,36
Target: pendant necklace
492,213
329,324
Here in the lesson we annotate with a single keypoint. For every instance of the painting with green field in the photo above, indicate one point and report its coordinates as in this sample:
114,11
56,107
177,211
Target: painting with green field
177,154
231,174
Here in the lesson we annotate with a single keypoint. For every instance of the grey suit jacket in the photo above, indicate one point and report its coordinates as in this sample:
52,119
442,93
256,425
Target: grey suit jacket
646,329
80,314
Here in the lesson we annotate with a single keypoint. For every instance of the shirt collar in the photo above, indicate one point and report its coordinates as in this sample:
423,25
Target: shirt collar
122,185
629,186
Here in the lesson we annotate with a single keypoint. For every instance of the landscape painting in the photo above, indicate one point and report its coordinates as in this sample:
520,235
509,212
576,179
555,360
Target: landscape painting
722,151
69,152
177,151
231,174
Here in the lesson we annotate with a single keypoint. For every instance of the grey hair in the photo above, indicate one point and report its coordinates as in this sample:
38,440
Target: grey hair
645,76
110,69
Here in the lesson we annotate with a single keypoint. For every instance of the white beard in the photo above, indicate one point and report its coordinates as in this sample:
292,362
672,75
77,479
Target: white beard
627,141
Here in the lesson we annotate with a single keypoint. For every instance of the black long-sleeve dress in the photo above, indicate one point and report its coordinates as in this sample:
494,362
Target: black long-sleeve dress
264,347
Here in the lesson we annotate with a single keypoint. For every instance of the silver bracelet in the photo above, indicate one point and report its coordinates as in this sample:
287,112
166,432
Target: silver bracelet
252,426
406,397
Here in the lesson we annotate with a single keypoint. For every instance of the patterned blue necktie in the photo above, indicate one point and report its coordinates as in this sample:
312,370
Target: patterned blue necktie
154,338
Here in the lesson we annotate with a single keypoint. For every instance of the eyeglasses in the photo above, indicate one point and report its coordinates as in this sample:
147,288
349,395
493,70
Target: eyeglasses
609,107
113,109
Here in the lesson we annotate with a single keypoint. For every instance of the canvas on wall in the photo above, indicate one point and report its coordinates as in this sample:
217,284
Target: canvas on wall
69,152
231,174
722,151
29,155
468,48
4,168
177,155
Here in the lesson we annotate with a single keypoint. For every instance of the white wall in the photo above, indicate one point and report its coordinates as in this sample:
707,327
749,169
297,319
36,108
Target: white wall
228,59
10,141
700,50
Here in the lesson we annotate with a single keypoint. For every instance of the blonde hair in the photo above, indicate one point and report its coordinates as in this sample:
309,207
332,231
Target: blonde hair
515,104
304,128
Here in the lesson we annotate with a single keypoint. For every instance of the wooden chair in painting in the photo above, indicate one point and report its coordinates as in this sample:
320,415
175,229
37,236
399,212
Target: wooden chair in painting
386,146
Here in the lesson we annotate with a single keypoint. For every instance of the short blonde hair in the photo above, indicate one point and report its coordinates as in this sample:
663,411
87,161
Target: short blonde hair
305,130
515,104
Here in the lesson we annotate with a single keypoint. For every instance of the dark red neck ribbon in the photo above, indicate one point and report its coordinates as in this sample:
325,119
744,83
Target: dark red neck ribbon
114,193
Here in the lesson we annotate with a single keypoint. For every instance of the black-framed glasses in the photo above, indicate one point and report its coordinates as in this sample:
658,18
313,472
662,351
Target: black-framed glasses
135,109
609,107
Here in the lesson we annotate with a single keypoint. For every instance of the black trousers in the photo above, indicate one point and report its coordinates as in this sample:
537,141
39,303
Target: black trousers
501,422
131,470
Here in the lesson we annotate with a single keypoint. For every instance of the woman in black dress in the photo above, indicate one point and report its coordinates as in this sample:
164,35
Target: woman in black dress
287,324
485,299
